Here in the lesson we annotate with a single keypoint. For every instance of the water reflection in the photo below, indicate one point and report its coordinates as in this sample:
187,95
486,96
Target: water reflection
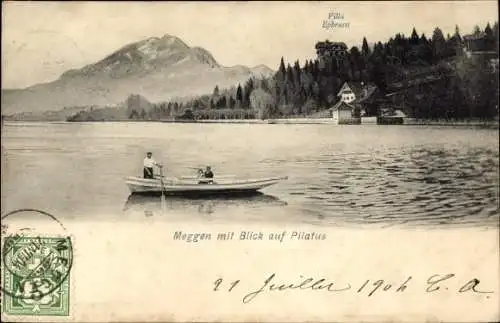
415,185
151,205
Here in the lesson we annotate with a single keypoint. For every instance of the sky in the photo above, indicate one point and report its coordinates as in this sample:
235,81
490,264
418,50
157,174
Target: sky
41,40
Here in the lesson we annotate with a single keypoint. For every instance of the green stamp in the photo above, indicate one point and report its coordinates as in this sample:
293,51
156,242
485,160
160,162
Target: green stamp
36,275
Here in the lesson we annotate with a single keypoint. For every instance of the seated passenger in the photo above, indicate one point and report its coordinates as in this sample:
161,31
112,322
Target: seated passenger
208,174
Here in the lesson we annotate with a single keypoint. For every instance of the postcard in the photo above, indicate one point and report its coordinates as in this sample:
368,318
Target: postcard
250,161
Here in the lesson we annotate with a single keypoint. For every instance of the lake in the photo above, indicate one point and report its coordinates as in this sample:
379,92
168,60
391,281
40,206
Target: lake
352,176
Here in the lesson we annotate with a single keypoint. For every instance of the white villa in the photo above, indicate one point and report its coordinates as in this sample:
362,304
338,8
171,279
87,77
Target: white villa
346,94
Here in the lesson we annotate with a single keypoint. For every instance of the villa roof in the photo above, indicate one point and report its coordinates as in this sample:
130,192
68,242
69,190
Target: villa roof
474,36
355,87
358,89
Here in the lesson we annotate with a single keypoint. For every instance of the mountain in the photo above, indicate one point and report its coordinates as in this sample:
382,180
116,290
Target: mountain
156,68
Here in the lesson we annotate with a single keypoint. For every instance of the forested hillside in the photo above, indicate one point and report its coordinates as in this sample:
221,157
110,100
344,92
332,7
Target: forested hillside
436,76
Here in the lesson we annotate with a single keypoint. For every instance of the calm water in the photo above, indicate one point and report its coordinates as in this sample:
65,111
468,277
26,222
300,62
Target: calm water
338,175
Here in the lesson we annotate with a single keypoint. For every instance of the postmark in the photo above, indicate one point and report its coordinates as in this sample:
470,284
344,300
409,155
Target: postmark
35,269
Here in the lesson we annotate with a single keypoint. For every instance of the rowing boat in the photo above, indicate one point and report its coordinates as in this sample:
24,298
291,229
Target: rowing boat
192,186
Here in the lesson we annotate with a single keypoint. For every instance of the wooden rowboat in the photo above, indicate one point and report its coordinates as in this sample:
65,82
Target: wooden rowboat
191,186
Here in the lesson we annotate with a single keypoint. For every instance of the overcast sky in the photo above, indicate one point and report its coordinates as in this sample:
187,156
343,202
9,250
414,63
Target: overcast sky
42,40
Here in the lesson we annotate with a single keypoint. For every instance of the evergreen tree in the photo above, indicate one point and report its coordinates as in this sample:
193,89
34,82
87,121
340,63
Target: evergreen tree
232,102
216,91
414,39
425,50
296,74
169,109
490,37
457,34
365,50
239,94
282,65
316,70
356,63
264,84
222,102
476,30
399,49
289,74
438,44
280,74
495,35
312,67
247,90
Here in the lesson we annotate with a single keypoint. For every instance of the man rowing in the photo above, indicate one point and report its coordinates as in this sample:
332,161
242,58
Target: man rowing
149,163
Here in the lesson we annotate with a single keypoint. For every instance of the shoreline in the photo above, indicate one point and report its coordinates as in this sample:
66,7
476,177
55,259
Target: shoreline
292,121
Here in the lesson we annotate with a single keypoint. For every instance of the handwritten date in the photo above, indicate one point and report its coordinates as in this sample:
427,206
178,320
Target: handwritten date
432,284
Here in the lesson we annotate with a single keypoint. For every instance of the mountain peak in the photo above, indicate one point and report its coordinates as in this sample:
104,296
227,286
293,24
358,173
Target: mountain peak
168,36
150,54
163,42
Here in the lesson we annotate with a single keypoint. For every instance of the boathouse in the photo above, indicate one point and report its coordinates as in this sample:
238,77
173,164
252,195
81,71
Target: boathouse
391,116
343,113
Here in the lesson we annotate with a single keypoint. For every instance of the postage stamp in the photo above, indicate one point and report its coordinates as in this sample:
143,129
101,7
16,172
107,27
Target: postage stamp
36,275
